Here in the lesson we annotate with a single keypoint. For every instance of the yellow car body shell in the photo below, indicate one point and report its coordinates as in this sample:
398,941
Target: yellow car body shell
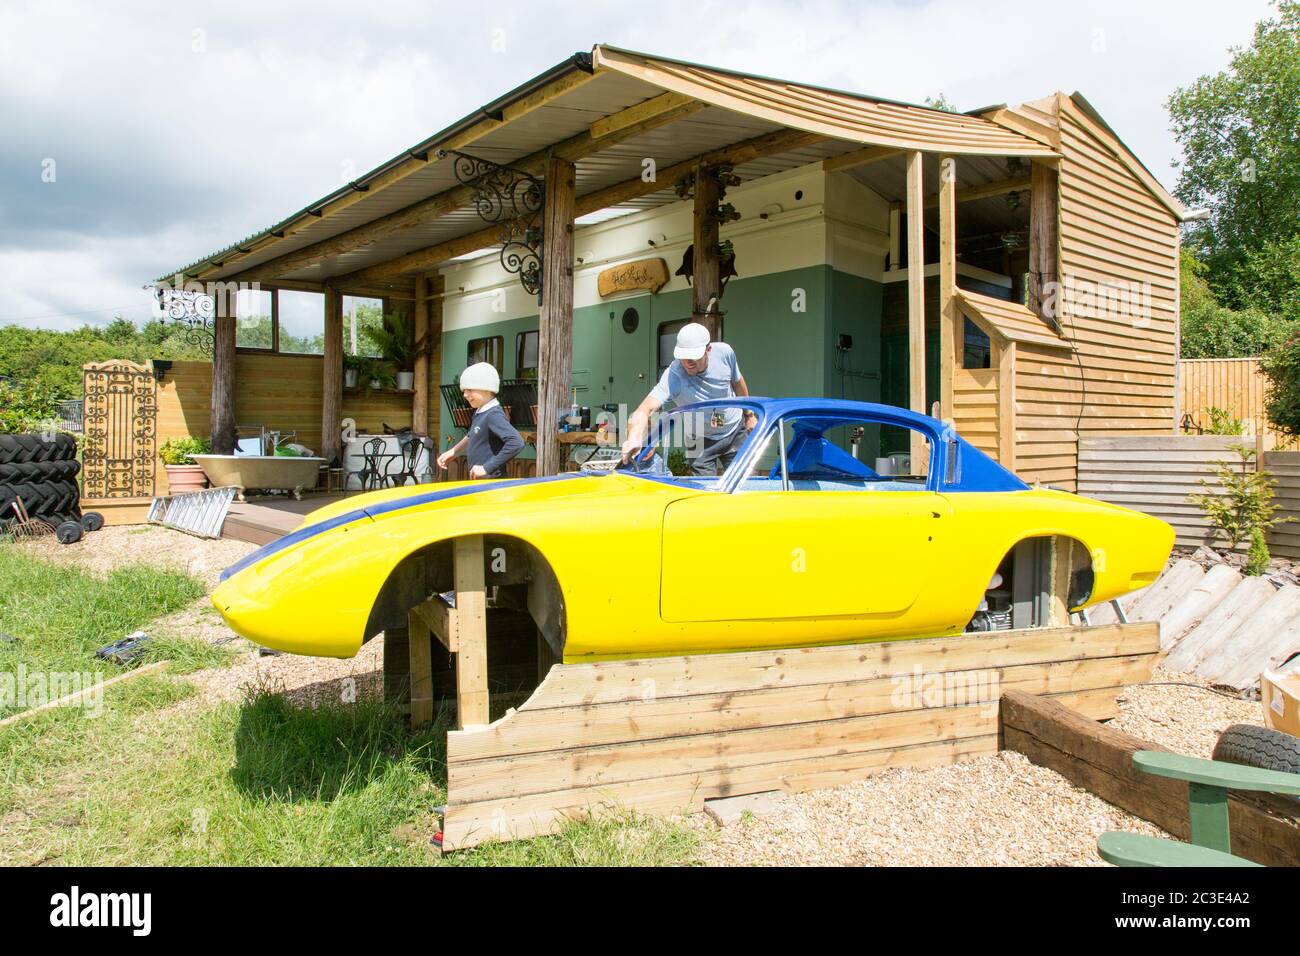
650,568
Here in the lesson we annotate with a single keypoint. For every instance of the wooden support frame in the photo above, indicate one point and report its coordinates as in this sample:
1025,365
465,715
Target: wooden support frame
420,345
555,322
222,419
743,152
785,719
951,339
916,306
706,263
331,435
1044,242
461,630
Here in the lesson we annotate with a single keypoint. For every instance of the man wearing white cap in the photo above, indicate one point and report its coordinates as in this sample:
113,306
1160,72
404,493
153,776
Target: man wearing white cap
701,370
490,441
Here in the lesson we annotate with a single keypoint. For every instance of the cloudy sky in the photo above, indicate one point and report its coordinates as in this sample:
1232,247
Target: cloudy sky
170,129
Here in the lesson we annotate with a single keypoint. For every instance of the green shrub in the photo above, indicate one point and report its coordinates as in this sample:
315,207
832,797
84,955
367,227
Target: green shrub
1282,369
1245,506
180,451
1257,557
25,407
1223,422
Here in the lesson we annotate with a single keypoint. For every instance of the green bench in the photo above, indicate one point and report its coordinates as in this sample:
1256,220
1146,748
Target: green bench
1208,783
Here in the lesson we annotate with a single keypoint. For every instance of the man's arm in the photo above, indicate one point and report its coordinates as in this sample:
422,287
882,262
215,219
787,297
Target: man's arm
740,387
638,424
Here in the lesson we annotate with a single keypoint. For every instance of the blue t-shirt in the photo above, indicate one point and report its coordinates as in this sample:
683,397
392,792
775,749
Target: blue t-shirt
715,382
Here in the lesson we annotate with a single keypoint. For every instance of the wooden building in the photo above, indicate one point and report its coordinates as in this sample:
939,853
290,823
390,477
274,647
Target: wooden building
1014,268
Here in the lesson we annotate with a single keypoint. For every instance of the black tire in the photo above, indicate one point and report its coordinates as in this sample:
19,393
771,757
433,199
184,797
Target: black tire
38,471
28,447
68,532
1253,746
92,521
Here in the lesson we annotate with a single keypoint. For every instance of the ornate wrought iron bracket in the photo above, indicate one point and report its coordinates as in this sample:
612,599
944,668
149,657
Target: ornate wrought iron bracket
195,310
512,199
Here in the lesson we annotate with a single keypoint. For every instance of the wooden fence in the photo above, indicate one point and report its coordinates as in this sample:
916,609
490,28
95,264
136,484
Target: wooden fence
1235,385
1156,474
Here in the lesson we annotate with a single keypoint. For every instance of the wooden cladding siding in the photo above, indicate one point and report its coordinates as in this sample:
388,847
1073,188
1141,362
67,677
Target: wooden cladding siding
1156,474
1047,403
1235,385
665,734
1119,295
282,392
975,407
1284,466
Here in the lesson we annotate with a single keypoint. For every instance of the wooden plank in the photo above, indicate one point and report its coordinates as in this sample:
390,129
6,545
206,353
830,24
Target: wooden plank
951,337
1100,759
916,306
420,345
441,620
706,261
222,419
859,157
421,671
471,613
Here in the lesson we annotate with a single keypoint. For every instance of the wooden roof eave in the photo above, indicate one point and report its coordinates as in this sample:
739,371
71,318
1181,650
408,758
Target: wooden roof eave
1005,322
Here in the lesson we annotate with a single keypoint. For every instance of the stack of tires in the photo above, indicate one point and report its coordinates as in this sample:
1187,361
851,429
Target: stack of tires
43,474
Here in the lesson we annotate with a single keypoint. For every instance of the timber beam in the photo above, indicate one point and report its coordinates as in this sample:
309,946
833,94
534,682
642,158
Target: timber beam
425,210
433,256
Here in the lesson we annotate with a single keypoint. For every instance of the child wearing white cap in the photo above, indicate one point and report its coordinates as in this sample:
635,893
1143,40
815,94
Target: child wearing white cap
491,440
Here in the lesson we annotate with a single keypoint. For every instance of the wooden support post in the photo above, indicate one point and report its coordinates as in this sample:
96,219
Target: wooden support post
916,306
951,339
222,420
1044,232
895,236
420,334
332,379
555,325
421,671
471,625
706,263
1006,366
1059,600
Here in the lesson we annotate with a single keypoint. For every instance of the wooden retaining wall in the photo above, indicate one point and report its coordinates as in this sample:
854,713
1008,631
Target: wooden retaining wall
1155,474
665,734
1264,827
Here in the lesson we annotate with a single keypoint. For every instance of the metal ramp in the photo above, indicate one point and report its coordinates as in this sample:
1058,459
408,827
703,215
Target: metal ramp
200,513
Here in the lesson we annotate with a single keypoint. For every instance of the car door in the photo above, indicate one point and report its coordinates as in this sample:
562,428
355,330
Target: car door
799,553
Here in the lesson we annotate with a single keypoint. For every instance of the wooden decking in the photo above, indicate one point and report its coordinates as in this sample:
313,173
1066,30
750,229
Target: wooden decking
263,520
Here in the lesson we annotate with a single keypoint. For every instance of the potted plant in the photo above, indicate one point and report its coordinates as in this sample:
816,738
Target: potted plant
183,474
352,367
393,339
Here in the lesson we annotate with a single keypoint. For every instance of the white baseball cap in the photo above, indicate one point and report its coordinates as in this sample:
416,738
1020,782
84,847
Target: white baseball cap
692,342
481,375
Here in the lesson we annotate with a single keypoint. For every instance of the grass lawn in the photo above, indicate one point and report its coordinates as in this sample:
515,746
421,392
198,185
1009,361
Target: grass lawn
152,780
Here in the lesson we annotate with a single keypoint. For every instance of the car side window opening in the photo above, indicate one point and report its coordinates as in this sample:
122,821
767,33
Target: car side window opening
813,453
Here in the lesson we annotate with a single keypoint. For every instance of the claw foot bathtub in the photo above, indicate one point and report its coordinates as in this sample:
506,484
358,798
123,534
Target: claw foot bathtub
251,473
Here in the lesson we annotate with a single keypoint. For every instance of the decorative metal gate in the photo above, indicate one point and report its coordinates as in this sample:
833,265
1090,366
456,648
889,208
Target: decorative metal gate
121,424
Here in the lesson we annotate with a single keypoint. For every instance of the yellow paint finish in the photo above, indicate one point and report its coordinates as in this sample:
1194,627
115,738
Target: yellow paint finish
651,569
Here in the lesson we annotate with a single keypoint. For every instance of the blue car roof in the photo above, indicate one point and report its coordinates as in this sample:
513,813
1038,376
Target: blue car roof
975,471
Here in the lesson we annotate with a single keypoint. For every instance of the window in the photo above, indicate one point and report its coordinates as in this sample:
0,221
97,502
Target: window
977,351
668,341
490,349
360,314
255,319
300,321
526,354
835,454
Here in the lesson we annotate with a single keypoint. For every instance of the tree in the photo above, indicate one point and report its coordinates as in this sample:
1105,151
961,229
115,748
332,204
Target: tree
1241,161
1282,369
1211,330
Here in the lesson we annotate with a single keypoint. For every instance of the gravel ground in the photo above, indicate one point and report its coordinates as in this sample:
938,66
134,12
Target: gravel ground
995,810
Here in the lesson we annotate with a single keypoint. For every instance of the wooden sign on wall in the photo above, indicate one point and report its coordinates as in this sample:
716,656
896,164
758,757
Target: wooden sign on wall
651,274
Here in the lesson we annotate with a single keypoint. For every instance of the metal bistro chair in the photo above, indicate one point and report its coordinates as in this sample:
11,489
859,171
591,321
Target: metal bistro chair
411,445
372,473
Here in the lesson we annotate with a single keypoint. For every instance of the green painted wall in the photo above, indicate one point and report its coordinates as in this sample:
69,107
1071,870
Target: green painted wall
782,352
